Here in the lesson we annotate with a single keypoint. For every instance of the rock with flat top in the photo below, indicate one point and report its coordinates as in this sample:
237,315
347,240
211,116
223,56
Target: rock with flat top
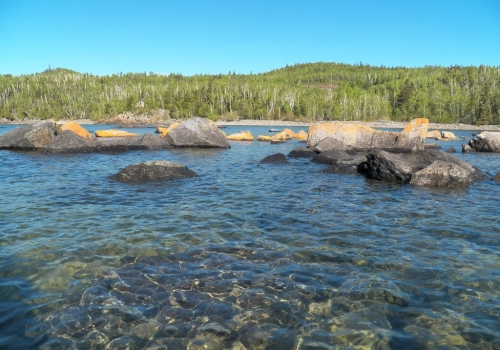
241,136
197,132
114,133
443,174
153,171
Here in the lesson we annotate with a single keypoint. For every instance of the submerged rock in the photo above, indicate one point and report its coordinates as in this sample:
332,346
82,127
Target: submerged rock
153,171
197,132
443,174
277,158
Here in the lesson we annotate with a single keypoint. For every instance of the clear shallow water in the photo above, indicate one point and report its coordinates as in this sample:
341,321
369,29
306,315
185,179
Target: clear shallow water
245,255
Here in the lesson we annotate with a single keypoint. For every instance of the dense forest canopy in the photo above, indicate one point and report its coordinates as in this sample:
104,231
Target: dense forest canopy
307,92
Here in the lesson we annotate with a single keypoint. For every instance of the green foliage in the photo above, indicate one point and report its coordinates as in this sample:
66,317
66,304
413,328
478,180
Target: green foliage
313,91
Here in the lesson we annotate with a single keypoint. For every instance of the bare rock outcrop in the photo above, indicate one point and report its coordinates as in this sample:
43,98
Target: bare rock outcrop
197,132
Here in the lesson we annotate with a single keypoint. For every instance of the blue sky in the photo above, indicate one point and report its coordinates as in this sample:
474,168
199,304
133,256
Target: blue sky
207,36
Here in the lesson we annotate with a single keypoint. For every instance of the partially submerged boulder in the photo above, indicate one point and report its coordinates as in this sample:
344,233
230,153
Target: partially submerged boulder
485,141
241,136
264,138
30,137
197,132
277,158
383,165
328,144
433,134
153,171
281,136
302,152
443,174
114,133
332,156
301,135
360,137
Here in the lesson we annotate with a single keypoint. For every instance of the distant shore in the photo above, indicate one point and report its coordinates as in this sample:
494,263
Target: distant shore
281,123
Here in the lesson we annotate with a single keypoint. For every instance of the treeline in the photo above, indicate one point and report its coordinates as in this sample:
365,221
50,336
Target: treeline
308,92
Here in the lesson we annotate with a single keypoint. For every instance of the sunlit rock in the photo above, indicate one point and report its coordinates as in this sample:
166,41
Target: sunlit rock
281,136
433,134
448,135
241,136
356,136
264,138
301,135
486,141
77,129
114,133
197,132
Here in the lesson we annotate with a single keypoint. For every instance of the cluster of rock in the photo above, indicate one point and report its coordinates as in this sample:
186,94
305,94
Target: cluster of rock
279,137
383,155
346,148
441,135
48,137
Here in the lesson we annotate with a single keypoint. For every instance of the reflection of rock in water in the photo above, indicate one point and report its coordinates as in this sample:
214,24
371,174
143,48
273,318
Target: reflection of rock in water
227,297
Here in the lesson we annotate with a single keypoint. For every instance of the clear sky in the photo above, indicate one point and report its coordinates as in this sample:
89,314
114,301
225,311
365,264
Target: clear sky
207,36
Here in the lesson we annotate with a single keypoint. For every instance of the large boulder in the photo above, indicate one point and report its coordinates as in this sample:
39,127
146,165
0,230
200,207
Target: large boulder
30,137
69,142
383,165
486,141
153,171
197,132
328,144
443,174
359,137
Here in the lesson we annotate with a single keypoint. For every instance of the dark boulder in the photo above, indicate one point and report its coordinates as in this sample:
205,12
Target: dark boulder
383,165
277,158
153,171
496,177
197,132
485,141
428,146
451,150
30,137
301,152
332,156
341,168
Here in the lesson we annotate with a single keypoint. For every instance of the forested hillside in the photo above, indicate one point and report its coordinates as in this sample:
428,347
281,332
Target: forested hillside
315,91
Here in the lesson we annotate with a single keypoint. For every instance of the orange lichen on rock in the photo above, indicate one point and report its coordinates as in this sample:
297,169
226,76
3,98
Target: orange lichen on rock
114,133
164,131
264,138
241,136
434,134
416,128
290,133
77,129
301,135
281,136
351,135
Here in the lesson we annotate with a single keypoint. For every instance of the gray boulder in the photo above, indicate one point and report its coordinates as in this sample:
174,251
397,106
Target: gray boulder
443,174
153,171
197,132
485,141
68,142
30,137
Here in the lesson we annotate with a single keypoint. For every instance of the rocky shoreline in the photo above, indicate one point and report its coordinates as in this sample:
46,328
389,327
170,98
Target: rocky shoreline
132,123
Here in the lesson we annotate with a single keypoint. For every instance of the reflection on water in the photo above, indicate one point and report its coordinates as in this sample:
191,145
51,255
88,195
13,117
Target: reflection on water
246,255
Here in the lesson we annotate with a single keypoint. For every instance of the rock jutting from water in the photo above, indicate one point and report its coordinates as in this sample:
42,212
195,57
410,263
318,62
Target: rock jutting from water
197,132
153,171
485,141
359,137
277,158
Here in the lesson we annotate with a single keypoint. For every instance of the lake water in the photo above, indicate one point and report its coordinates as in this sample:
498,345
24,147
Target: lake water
245,256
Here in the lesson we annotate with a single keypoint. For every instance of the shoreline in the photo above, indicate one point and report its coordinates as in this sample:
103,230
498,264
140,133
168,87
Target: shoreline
281,123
